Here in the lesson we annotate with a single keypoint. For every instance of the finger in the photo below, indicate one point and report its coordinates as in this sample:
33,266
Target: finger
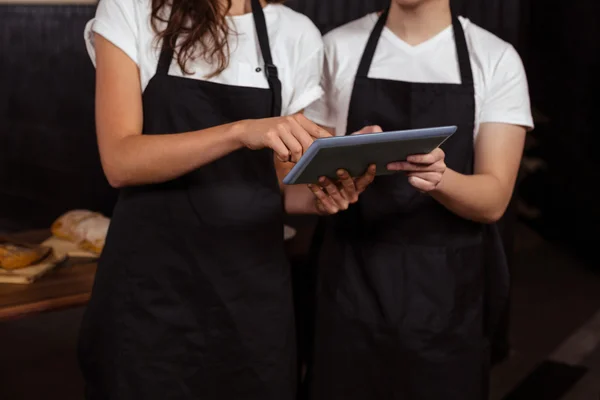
402,166
433,177
291,142
369,129
348,185
313,129
411,167
301,134
333,192
365,180
326,202
279,148
421,184
431,158
373,129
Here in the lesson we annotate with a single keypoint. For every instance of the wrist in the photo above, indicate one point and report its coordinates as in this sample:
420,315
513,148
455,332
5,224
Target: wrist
236,132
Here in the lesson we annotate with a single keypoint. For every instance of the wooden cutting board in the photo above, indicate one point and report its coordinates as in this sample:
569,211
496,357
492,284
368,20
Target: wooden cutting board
30,274
65,248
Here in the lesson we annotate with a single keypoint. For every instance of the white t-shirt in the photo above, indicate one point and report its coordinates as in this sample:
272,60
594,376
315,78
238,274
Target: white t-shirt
501,91
296,48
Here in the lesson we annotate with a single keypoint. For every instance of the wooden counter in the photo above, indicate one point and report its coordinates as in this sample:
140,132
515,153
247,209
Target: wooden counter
69,285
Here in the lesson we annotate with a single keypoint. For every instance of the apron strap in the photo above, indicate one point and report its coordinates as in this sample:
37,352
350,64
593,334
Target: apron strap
369,52
462,52
167,51
269,68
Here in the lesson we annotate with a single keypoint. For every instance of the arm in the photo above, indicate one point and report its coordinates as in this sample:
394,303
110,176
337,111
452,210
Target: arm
485,195
130,158
505,115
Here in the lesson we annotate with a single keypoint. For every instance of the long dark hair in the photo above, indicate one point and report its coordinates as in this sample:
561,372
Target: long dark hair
202,27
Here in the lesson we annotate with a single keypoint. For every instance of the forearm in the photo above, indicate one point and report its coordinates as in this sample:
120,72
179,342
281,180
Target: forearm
480,198
144,159
298,199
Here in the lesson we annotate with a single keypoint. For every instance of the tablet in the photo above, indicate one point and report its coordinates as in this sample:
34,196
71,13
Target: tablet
355,153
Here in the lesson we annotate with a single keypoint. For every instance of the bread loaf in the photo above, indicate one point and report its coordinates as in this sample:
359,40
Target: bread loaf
16,256
85,228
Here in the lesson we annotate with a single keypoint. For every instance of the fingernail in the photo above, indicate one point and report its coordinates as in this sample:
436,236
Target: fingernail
310,186
322,179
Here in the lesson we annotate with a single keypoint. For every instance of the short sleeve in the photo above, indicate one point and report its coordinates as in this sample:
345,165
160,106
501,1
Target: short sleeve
507,95
115,21
321,112
307,76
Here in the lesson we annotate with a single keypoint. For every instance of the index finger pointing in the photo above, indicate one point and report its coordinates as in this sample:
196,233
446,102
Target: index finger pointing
301,134
313,129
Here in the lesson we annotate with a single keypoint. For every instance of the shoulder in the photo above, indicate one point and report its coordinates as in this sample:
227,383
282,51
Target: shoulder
122,22
504,91
293,26
487,49
131,9
352,35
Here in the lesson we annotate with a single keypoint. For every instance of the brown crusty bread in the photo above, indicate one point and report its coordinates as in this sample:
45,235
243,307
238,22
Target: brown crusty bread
16,256
85,228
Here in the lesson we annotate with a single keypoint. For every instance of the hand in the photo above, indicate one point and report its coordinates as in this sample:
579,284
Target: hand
368,129
425,171
331,197
289,137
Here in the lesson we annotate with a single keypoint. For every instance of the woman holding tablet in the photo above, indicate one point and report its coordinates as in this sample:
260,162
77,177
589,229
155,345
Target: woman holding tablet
412,276
192,298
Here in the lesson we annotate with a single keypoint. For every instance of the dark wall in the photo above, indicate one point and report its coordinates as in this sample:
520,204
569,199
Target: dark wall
563,67
48,156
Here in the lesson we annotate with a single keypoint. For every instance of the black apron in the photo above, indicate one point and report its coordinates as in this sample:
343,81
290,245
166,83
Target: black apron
405,304
192,299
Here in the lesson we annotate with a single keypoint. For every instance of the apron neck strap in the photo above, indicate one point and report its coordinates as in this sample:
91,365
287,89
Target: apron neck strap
168,44
269,68
462,52
369,53
169,41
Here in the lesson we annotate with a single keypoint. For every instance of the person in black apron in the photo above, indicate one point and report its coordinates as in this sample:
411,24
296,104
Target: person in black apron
409,291
192,299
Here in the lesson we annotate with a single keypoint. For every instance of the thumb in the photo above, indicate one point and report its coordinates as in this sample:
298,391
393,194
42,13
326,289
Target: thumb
373,129
369,129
